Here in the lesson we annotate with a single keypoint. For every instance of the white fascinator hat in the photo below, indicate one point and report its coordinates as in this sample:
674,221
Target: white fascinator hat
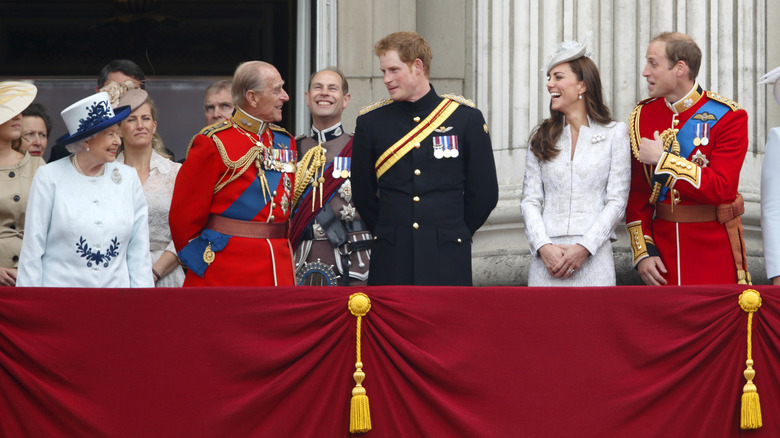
771,77
567,51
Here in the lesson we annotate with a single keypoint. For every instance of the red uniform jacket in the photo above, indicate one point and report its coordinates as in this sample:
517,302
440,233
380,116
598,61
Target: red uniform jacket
694,252
243,260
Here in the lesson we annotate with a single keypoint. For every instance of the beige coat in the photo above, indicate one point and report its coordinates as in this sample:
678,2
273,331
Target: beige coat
15,182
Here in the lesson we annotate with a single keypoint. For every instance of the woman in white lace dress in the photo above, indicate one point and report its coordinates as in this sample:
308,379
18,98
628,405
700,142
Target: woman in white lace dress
576,178
143,150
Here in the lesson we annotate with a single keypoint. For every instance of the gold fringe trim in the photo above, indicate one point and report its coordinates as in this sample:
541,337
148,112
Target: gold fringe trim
750,416
359,413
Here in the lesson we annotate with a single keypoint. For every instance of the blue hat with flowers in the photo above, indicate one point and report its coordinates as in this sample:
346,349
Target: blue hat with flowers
89,116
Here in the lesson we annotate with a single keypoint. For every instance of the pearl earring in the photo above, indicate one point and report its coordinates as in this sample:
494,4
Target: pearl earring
580,97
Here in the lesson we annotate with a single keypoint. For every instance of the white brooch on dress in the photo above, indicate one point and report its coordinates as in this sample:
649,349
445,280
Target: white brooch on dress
700,159
597,138
116,177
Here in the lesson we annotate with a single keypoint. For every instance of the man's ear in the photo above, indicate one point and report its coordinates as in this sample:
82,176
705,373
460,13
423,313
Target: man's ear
681,68
417,64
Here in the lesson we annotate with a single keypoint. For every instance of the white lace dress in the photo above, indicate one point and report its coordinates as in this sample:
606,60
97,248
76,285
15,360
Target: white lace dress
158,190
578,201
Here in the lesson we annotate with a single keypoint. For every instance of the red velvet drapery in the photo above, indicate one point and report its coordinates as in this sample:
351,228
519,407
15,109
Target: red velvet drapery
439,362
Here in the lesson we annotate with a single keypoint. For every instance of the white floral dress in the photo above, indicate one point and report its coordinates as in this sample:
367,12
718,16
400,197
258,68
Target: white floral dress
578,200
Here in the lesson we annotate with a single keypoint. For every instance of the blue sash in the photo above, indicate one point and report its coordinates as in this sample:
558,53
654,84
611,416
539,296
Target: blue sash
709,114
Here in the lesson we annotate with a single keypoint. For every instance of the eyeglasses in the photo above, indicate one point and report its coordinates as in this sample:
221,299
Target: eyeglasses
29,137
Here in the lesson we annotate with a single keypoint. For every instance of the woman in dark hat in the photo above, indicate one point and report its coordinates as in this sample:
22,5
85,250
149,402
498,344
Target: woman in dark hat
87,216
16,175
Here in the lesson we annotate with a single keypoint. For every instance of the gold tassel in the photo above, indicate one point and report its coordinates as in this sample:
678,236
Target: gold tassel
359,413
750,418
306,172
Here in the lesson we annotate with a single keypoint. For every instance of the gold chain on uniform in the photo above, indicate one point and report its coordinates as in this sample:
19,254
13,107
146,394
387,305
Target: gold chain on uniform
238,167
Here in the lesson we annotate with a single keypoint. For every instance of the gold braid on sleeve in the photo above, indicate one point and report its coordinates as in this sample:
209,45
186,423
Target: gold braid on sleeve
671,145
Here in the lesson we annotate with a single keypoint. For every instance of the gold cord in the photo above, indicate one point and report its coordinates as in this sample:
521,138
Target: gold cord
314,161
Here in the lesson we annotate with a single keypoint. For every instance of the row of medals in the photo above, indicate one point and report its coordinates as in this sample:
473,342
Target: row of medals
280,160
702,135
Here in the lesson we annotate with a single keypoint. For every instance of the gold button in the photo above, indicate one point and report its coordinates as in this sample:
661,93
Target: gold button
416,119
415,225
416,199
374,237
417,172
459,240
417,145
271,218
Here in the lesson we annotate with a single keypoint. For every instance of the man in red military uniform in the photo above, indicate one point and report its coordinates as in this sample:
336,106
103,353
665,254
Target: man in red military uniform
231,203
688,145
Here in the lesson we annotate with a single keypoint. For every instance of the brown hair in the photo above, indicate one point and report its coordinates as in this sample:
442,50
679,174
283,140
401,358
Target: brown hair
681,47
410,46
544,139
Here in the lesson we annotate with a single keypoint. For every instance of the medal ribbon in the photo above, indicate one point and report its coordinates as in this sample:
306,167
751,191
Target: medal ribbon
416,135
687,132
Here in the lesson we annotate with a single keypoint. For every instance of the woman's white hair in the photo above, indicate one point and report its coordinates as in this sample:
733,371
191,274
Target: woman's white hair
77,146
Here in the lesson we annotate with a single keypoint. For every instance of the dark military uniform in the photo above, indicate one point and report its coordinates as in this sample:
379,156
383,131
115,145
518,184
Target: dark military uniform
424,210
323,257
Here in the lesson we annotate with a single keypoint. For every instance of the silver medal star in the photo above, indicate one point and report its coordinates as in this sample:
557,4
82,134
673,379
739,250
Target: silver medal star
348,213
345,191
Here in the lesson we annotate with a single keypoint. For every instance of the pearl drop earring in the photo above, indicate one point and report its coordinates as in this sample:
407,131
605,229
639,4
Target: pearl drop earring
580,97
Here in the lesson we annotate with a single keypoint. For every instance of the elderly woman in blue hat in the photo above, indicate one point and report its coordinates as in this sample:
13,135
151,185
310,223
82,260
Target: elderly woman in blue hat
87,223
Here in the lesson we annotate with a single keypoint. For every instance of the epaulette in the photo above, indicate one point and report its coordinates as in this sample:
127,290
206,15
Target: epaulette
278,128
724,100
460,99
375,105
646,101
210,130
